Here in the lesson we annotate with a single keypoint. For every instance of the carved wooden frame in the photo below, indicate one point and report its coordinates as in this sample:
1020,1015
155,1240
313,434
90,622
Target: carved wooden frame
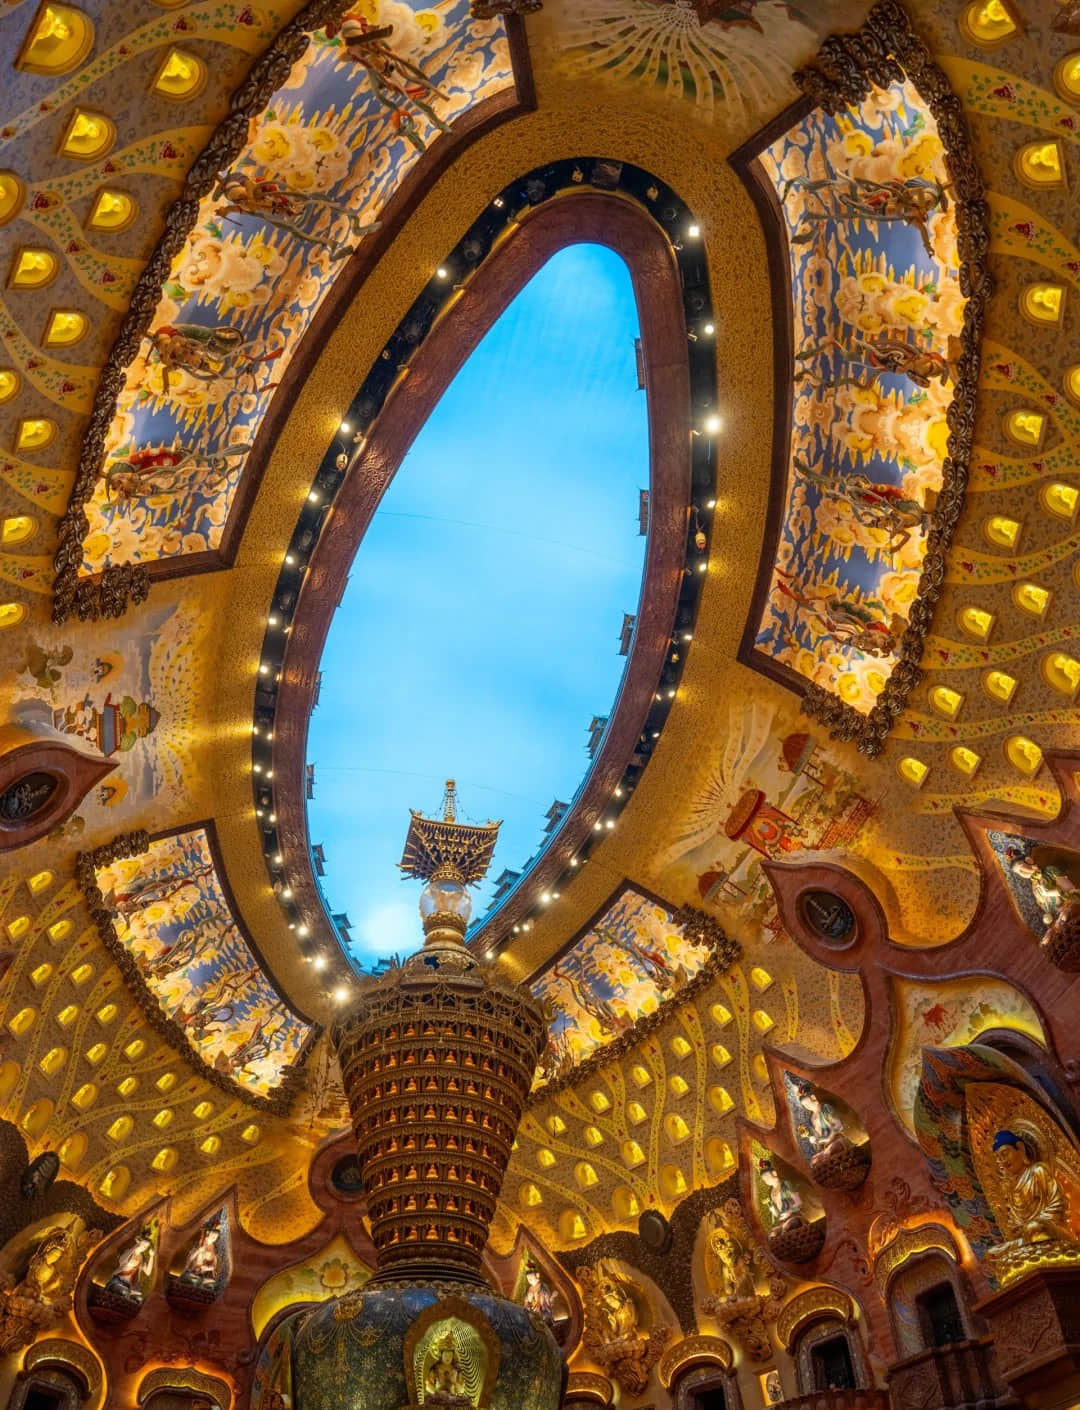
131,844
848,66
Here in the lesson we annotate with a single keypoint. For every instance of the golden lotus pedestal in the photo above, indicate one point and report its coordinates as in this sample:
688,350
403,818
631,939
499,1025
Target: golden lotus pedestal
1035,1323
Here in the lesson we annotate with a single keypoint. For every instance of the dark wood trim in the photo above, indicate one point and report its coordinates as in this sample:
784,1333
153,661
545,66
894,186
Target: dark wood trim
744,162
578,217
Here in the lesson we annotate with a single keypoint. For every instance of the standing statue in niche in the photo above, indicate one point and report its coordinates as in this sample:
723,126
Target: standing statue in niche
539,1298
134,1267
822,1128
1052,888
784,1202
203,1263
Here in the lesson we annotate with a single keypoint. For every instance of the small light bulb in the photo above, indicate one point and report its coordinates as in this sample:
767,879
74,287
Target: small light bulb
264,669
272,621
277,859
710,504
320,961
290,558
554,895
499,203
256,768
573,861
269,773
545,896
341,994
671,695
345,428
314,496
713,424
286,891
598,827
303,930
610,823
618,793
490,955
694,231
688,636
272,817
702,566
709,328
442,273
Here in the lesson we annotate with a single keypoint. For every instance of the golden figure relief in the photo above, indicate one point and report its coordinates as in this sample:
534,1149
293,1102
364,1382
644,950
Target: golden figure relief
1030,1173
616,1336
733,1268
42,1297
450,1365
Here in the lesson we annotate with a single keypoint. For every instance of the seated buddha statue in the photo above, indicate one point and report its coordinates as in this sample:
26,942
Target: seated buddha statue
1032,1211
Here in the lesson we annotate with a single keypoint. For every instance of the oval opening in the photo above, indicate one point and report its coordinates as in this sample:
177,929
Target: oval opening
482,626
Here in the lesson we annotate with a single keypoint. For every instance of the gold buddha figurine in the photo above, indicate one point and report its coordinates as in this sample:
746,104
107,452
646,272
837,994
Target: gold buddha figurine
1032,1209
444,1382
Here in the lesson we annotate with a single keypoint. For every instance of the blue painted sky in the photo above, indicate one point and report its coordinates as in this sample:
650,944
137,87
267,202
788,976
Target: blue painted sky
479,632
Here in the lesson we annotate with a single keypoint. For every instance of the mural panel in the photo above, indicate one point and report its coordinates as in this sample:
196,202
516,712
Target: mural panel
631,959
171,916
776,789
877,311
321,162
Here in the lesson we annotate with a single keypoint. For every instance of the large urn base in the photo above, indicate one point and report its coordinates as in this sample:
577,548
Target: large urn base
393,1346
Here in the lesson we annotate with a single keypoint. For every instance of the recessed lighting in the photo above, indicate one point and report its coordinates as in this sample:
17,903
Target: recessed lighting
499,203
709,328
272,817
713,424
314,496
271,621
269,773
290,558
442,273
345,427
688,636
264,669
277,859
256,768
694,231
710,504
618,793
286,891
610,823
656,734
702,566
302,930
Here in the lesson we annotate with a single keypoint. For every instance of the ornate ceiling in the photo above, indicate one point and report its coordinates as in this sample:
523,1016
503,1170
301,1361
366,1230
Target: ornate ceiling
167,1043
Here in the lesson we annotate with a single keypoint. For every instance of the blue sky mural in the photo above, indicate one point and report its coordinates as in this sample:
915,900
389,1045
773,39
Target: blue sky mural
479,632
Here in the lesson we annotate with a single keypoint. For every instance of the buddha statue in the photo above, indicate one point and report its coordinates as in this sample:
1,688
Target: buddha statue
1031,1208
